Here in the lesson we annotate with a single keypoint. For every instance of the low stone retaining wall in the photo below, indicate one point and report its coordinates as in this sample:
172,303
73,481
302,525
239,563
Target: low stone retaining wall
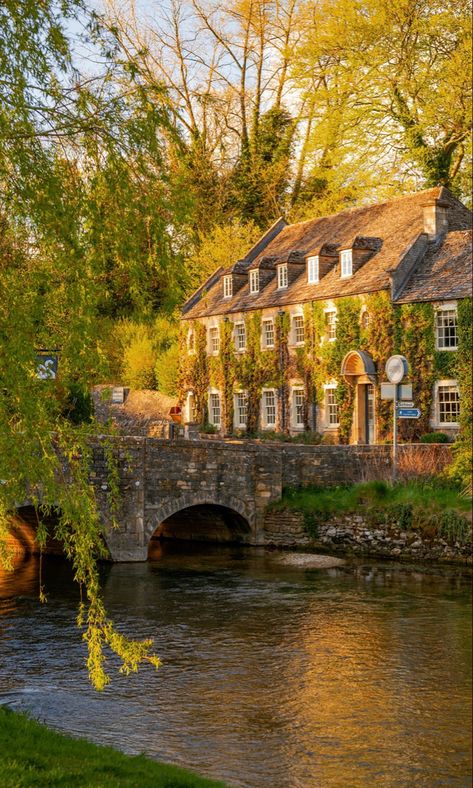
350,533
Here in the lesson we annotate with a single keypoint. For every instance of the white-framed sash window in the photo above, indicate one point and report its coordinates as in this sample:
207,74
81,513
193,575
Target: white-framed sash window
214,340
269,408
282,276
331,406
447,403
240,336
298,330
346,259
268,333
227,286
241,409
298,399
254,281
214,409
446,328
191,409
313,270
331,324
191,341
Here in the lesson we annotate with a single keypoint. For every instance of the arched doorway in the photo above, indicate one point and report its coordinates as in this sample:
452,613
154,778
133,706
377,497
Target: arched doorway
203,522
359,371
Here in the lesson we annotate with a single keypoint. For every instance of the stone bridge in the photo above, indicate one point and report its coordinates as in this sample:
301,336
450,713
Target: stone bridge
219,490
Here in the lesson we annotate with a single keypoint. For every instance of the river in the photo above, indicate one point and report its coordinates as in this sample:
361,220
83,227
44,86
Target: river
272,676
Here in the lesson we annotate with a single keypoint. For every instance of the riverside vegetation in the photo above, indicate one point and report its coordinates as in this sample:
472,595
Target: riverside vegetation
31,754
432,507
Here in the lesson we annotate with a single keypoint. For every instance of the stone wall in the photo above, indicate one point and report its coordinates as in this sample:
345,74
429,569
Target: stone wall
351,533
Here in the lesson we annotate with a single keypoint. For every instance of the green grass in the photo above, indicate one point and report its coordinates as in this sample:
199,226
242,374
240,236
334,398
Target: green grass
31,754
434,506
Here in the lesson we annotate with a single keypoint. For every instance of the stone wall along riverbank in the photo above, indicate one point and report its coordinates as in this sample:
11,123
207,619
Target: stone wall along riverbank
352,534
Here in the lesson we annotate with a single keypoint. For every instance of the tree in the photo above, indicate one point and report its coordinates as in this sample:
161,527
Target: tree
398,80
50,299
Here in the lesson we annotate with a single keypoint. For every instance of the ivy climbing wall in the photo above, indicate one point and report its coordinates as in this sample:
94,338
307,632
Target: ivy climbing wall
408,329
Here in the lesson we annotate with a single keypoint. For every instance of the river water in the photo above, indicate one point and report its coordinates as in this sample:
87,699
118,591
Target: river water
272,676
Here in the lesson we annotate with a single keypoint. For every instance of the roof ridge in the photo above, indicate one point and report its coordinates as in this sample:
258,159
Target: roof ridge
367,206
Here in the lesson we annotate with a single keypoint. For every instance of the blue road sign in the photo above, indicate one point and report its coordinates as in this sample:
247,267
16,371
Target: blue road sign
408,413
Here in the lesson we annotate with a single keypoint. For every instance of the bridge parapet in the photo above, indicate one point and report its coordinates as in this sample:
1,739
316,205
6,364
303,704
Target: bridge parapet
158,478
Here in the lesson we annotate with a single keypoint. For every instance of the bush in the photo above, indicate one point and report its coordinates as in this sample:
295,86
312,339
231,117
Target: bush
209,429
166,370
139,361
400,515
453,527
434,437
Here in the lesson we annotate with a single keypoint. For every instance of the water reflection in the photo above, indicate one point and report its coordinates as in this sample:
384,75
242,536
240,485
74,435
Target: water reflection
272,676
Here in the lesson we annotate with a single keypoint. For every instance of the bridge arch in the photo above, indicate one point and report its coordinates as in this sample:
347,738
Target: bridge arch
238,515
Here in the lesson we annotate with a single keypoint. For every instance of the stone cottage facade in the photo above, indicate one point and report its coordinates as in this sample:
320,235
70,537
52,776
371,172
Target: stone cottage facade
294,337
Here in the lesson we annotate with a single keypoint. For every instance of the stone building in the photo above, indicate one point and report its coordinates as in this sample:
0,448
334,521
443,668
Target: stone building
294,337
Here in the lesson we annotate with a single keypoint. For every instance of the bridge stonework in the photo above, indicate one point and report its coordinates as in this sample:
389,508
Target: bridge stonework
158,478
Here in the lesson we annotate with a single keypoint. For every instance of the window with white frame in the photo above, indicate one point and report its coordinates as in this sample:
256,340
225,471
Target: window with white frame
191,341
254,281
346,259
241,409
282,276
331,324
446,332
365,319
227,286
214,340
240,336
214,409
298,407
331,407
313,270
191,409
268,333
269,408
298,332
448,403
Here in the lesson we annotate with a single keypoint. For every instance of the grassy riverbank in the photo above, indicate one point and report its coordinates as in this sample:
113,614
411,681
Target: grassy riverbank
433,507
33,755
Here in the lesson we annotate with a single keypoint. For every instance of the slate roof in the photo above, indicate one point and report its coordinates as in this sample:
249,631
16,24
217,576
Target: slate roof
397,223
445,273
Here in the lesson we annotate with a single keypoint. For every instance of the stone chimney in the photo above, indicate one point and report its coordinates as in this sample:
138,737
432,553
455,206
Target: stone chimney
435,219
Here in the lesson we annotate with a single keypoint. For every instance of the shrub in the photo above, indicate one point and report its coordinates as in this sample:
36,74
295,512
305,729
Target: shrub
400,515
434,437
139,361
209,429
166,370
453,527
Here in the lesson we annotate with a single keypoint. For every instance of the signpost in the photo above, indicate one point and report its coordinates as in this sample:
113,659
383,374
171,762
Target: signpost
396,368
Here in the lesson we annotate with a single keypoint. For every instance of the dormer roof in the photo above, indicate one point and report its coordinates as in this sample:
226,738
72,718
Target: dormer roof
388,230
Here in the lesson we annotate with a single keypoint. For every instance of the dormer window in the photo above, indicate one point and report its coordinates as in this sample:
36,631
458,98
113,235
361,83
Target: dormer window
282,276
227,286
313,270
346,259
254,281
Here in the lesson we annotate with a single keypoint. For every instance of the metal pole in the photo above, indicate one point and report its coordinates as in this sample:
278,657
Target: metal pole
395,433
